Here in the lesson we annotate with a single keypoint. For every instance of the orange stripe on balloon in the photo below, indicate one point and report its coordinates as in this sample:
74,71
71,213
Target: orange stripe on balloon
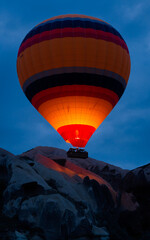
74,90
69,52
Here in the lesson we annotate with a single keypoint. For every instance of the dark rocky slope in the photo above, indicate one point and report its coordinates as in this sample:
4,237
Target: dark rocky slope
45,195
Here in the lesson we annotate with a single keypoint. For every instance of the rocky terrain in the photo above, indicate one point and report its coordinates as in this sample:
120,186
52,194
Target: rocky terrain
46,196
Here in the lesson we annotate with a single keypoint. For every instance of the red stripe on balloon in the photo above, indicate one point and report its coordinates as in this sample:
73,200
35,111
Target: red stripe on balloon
72,32
74,90
77,134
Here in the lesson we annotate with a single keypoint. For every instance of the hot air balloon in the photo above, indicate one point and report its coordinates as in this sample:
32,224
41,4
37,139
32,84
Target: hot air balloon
73,69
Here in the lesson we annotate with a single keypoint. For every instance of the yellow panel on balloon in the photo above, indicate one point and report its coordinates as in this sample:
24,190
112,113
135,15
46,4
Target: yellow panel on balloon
75,110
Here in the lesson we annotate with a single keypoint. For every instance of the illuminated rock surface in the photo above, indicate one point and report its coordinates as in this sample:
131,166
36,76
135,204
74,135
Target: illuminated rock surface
46,196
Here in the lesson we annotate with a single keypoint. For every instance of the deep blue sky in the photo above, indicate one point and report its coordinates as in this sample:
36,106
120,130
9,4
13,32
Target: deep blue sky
124,137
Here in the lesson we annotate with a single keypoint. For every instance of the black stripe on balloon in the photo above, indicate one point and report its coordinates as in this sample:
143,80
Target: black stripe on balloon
74,79
72,24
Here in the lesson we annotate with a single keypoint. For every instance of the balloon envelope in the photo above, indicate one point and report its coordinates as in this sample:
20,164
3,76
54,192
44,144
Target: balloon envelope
73,69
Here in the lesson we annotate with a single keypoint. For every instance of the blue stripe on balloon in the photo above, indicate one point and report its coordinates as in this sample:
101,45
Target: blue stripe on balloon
73,23
72,19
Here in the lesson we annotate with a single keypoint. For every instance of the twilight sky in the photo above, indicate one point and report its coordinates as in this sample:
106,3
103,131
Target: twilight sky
123,139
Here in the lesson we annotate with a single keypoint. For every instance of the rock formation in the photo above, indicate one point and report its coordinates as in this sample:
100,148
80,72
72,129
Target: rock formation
46,196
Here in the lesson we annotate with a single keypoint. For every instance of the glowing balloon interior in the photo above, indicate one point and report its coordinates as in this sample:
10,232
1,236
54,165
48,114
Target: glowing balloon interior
73,69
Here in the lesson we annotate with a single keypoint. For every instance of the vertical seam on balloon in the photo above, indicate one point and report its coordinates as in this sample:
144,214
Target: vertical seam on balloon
115,46
40,52
32,60
97,43
122,63
85,52
27,73
62,56
72,22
